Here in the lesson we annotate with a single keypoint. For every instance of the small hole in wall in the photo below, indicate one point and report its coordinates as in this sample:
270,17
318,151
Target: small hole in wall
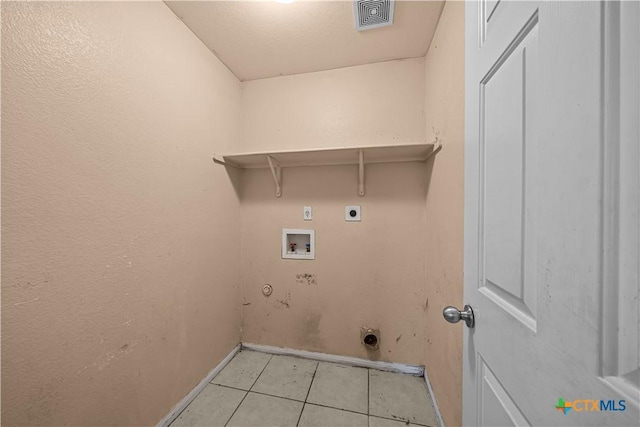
371,340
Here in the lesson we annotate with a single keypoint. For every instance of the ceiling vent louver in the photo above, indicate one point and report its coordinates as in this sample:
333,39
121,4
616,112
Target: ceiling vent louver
371,14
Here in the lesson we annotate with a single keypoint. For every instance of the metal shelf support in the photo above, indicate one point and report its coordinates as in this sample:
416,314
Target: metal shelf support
437,146
360,173
276,171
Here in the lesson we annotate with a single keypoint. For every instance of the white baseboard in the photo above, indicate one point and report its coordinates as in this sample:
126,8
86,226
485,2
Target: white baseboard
346,360
173,414
433,400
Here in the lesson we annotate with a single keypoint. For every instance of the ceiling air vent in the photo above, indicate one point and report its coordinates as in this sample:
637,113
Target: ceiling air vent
373,13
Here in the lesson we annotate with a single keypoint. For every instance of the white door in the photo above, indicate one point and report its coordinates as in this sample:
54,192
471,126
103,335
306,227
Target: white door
551,213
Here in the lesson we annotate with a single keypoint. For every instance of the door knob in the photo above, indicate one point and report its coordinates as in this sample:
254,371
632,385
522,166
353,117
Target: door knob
453,315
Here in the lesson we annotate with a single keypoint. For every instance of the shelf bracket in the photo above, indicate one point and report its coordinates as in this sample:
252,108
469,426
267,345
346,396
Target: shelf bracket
360,173
437,146
276,171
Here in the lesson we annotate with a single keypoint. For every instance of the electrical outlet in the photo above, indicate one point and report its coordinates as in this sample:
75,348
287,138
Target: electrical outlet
307,213
352,213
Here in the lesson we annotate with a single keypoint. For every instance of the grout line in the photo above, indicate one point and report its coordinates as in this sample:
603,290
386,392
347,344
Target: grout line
400,420
233,388
368,397
263,394
313,377
300,416
298,401
247,391
337,409
273,395
259,375
236,410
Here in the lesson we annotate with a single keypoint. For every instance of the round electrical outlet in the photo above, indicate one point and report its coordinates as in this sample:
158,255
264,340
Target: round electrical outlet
352,213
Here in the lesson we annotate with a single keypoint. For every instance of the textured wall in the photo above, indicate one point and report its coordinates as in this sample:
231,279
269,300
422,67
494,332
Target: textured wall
369,104
444,114
120,237
369,273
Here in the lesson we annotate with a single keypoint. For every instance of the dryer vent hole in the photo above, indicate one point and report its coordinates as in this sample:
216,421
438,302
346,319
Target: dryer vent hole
371,340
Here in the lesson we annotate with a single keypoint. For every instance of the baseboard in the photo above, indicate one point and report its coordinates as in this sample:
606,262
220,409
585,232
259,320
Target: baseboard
175,412
433,400
346,360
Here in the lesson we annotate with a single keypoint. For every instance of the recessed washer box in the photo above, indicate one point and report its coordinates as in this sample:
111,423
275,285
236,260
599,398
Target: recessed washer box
298,244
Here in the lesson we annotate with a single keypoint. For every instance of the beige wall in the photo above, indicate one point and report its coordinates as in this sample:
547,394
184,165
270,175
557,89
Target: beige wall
365,274
375,104
444,113
120,237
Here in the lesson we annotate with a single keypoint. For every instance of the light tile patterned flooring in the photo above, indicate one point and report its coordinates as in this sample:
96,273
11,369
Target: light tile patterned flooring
259,389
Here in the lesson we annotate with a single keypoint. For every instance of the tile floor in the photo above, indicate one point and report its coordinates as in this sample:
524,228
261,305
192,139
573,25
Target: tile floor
259,389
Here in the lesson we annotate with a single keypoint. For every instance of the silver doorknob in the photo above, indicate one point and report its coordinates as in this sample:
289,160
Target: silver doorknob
453,315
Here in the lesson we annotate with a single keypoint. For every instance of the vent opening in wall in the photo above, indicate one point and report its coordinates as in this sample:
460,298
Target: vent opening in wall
373,13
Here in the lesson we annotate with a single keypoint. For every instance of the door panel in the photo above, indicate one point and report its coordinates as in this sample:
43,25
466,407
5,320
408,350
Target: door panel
507,97
496,407
551,212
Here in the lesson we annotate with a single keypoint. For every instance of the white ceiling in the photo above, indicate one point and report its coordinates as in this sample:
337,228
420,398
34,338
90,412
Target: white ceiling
258,39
